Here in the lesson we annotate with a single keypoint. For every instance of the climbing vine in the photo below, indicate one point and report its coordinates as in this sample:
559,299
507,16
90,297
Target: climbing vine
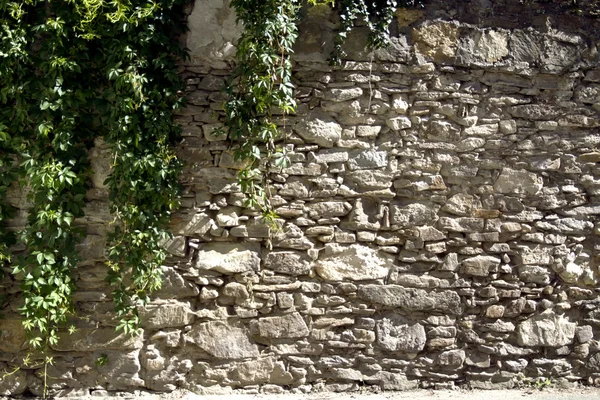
72,71
261,85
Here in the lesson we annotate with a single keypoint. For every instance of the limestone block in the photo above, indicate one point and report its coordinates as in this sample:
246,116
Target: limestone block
411,299
176,246
396,333
413,214
191,224
97,339
525,46
12,335
14,384
479,265
460,204
213,32
328,209
363,180
261,370
167,315
288,262
355,262
521,182
222,340
228,258
436,41
399,123
286,326
538,112
319,128
367,159
343,94
175,286
121,369
100,161
452,358
546,329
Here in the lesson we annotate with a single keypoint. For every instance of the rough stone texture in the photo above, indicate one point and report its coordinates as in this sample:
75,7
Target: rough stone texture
320,129
546,329
355,262
411,299
438,224
395,333
221,340
227,258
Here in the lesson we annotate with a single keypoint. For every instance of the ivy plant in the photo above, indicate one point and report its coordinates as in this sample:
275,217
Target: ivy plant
72,71
261,84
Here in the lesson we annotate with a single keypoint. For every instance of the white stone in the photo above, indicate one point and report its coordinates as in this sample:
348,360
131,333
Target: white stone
213,30
400,103
546,329
513,181
354,262
492,46
319,128
399,123
221,340
228,258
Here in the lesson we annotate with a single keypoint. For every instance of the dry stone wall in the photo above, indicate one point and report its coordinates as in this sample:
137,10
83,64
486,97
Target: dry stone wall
439,222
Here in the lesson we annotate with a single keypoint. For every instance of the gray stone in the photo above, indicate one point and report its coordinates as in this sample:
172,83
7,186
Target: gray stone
535,112
525,46
400,103
344,94
411,299
213,32
479,265
584,333
13,337
566,226
222,340
355,262
461,224
368,180
393,381
167,315
228,258
288,262
288,326
460,204
174,286
319,128
443,131
97,339
260,371
397,333
512,181
452,358
13,384
367,159
399,123
413,214
191,224
546,329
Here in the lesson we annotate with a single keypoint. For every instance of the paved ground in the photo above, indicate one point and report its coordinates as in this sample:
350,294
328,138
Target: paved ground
579,394
546,394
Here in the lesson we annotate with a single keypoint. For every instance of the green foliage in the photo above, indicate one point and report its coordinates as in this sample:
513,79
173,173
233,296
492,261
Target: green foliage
260,86
102,360
377,15
71,71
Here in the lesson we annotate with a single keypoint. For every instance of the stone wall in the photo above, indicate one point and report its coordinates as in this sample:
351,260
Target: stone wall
440,221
